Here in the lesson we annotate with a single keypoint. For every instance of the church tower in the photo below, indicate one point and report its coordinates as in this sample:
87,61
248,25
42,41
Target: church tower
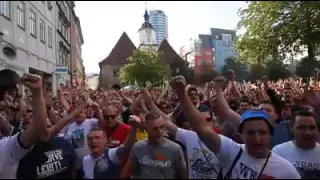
147,34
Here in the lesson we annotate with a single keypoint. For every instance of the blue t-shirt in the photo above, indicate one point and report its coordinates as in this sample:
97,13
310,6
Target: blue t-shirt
48,160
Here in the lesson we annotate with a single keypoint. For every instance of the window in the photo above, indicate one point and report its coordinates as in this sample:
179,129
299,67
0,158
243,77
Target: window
33,23
42,31
20,14
5,8
49,37
116,72
63,57
63,28
226,39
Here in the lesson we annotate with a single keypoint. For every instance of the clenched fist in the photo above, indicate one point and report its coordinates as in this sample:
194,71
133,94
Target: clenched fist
219,82
32,81
178,84
134,121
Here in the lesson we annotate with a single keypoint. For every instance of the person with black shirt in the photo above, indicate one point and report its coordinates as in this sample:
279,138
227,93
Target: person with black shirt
53,157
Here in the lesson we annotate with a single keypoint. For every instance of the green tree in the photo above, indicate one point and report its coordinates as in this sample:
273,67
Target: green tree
207,73
257,71
240,69
276,69
302,67
275,28
143,67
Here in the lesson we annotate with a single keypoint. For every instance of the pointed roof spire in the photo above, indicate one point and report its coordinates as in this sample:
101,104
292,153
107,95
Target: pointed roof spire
146,23
146,15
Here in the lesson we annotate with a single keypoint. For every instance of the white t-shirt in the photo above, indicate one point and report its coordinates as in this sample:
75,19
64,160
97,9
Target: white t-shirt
89,162
249,167
307,162
10,154
77,135
202,163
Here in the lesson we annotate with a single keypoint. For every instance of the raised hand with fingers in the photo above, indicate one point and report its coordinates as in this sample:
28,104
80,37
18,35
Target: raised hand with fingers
178,84
134,121
146,95
219,82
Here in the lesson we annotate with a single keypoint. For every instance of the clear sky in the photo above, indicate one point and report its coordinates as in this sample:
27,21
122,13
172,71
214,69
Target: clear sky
103,23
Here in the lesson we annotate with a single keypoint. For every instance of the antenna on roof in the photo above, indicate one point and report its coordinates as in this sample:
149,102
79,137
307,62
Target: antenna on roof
145,4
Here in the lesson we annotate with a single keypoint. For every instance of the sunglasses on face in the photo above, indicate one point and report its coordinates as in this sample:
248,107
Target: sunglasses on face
193,94
110,117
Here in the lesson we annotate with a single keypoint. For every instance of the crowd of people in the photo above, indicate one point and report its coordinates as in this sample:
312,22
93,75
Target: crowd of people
227,130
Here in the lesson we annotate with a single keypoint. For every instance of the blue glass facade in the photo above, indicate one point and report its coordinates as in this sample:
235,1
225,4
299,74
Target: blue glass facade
159,21
222,52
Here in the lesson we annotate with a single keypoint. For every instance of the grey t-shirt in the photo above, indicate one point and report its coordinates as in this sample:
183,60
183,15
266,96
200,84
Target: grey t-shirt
157,162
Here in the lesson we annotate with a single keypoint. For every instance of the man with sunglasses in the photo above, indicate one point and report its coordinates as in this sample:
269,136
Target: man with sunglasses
14,148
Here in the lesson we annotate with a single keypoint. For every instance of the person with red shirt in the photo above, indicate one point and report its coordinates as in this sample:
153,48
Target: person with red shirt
116,131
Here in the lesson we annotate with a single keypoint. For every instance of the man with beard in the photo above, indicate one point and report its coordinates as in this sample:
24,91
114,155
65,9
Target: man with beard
14,148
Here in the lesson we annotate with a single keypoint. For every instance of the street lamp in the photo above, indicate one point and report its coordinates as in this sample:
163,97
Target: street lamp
186,55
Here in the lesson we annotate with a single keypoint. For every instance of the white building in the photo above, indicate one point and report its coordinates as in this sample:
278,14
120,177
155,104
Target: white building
147,35
27,42
92,81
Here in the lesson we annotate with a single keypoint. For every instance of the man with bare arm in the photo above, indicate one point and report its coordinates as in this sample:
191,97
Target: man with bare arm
252,160
14,148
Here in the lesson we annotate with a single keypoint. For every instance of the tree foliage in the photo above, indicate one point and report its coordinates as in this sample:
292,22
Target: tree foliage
143,67
207,73
276,69
274,28
240,69
302,67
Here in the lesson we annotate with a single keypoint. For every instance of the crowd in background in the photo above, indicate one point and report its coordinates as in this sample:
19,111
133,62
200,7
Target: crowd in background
227,129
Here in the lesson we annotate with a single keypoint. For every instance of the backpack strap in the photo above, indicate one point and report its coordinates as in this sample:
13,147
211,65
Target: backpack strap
220,175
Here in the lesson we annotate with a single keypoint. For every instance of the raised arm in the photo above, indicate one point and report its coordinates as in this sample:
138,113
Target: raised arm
171,127
62,100
193,116
38,129
66,120
126,147
5,127
223,105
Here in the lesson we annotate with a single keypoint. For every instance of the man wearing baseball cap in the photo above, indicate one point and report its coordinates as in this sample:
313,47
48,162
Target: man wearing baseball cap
251,160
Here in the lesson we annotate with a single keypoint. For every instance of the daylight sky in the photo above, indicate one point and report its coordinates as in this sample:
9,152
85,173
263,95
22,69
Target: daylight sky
102,23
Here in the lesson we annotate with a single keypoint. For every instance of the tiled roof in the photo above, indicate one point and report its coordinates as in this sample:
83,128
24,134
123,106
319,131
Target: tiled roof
121,51
168,54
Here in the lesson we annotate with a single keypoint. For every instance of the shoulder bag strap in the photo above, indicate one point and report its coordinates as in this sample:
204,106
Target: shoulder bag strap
264,166
233,164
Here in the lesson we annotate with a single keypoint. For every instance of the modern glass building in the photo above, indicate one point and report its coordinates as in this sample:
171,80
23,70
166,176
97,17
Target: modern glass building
159,21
